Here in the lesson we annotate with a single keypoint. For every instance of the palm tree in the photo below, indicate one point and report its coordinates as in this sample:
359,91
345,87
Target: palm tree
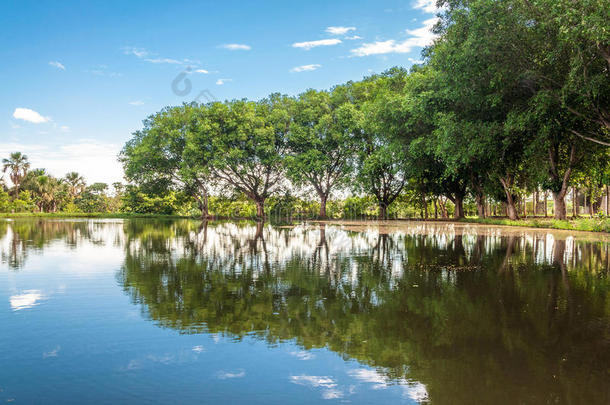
76,183
17,165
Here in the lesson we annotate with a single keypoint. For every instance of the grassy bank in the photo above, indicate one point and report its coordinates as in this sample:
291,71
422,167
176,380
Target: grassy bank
578,224
85,215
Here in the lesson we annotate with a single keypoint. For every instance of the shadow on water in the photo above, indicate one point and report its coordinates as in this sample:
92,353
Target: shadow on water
475,314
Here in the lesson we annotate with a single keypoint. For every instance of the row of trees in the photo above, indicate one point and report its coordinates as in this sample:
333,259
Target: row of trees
37,190
512,100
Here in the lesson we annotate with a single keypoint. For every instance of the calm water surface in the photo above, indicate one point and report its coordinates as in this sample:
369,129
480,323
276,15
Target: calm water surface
148,311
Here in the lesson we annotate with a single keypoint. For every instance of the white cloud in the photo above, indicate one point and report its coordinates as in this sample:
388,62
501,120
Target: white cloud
339,30
64,128
28,299
220,82
223,375
416,61
57,64
370,376
202,71
29,115
136,103
137,52
303,355
419,37
429,6
151,57
102,70
312,44
353,37
164,60
327,384
95,160
236,47
52,353
305,68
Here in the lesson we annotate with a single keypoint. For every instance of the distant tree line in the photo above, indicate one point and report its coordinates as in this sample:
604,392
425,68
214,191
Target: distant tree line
511,103
38,191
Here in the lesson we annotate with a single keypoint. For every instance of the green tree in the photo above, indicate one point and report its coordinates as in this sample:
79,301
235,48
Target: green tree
17,165
321,143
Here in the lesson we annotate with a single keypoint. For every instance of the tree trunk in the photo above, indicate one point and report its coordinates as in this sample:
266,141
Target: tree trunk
383,214
323,199
535,203
260,208
574,202
425,205
202,201
480,199
607,200
511,210
546,197
459,207
435,209
560,205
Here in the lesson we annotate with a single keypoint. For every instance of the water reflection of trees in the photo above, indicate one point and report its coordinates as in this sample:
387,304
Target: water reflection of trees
20,238
476,316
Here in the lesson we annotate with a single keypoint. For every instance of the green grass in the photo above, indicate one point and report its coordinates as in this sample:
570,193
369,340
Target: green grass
578,224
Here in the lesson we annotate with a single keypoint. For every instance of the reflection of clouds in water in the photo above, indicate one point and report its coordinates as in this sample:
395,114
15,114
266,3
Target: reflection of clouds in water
27,299
52,353
198,349
224,375
328,385
411,389
416,391
303,355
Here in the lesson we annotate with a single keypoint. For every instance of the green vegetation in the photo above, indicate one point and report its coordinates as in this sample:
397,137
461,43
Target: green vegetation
600,224
509,115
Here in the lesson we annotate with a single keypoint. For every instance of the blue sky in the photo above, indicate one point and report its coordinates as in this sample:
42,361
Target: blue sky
79,77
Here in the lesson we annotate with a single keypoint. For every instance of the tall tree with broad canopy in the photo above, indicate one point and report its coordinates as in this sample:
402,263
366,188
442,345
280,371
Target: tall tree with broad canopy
321,143
247,142
154,159
381,158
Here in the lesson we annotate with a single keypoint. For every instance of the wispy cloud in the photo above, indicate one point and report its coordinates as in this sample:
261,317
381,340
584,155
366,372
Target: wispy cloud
305,68
236,47
202,71
419,37
224,375
151,57
137,52
136,103
57,64
429,6
64,128
339,30
28,115
327,384
353,37
303,355
312,44
102,70
220,82
164,60
52,353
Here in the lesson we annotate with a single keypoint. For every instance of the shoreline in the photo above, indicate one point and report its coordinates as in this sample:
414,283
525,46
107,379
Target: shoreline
591,225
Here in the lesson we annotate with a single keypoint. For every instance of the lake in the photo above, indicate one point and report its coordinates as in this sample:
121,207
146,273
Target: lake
178,311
